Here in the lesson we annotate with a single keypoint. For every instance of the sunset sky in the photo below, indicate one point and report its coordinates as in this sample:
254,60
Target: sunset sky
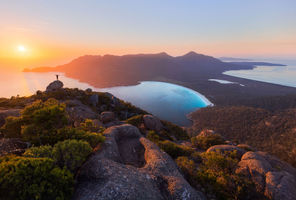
39,32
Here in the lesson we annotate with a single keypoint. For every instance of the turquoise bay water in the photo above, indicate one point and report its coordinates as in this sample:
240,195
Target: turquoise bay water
170,102
165,100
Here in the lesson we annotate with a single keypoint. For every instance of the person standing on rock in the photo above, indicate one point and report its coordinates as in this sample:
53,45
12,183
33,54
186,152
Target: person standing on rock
57,76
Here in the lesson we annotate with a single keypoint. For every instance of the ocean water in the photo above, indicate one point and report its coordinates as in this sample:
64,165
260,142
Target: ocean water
282,75
170,102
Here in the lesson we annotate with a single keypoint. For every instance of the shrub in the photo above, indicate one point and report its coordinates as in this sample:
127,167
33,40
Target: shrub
12,127
135,120
204,142
71,153
152,136
175,130
39,152
38,122
34,178
188,167
48,115
175,150
217,175
74,133
89,125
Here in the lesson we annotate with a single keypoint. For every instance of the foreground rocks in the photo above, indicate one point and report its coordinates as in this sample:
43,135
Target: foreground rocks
54,86
12,146
128,166
274,178
107,116
152,123
78,111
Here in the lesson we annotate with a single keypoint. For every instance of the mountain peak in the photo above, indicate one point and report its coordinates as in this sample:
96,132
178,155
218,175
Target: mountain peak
191,54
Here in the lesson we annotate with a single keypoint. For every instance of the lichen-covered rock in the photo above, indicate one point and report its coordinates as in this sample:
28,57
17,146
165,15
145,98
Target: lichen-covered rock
128,166
107,116
272,177
12,146
54,86
152,123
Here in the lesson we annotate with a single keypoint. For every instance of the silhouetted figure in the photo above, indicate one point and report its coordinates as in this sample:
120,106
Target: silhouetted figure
57,76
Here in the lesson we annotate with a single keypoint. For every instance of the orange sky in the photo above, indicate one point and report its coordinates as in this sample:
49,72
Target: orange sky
55,32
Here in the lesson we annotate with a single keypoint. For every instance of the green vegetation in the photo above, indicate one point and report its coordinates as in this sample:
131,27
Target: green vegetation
216,173
46,170
89,125
92,138
153,136
34,178
175,150
259,128
135,120
38,122
39,152
175,130
204,142
12,127
71,153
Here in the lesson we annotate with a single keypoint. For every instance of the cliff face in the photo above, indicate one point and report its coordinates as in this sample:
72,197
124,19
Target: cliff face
113,150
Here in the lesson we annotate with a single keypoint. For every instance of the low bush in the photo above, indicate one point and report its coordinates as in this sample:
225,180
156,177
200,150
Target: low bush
188,167
135,120
174,130
39,152
71,153
75,133
38,122
204,142
89,125
175,150
12,127
34,178
216,174
153,137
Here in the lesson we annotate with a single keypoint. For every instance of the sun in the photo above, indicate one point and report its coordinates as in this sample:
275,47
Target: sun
21,48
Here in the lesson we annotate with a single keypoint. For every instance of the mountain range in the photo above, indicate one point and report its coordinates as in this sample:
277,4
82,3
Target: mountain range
190,70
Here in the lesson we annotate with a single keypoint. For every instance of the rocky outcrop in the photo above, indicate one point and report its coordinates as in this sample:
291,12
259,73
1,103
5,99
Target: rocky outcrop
12,146
225,148
107,116
54,86
78,111
272,177
94,99
128,166
8,112
246,147
152,123
114,99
